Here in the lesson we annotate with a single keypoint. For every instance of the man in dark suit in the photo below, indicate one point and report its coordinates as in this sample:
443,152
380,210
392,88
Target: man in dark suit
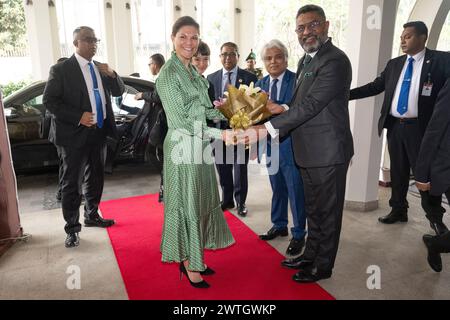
319,124
51,138
286,182
433,173
78,95
411,84
228,159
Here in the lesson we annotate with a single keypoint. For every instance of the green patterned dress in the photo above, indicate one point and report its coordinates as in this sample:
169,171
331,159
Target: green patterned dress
193,218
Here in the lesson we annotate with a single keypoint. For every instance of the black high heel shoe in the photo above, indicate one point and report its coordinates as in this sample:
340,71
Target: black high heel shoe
200,285
207,272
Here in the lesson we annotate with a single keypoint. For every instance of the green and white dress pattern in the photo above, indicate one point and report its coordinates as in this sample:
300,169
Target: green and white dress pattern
193,218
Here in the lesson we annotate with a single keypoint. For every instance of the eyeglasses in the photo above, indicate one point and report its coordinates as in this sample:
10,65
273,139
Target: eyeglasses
91,40
312,25
231,55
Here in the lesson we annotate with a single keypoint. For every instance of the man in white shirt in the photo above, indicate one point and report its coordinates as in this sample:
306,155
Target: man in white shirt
411,84
78,95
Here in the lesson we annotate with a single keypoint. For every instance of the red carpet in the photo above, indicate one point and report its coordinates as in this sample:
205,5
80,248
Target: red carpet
249,270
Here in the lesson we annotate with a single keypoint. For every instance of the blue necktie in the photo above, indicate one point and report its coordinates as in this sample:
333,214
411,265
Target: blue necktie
274,90
98,98
402,106
225,88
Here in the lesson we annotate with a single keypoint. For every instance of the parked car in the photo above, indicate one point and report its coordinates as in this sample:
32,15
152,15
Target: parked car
29,124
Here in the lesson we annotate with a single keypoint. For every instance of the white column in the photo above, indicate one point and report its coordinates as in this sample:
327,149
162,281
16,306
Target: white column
124,49
188,8
180,8
109,34
371,28
119,38
176,8
434,14
244,27
43,37
233,21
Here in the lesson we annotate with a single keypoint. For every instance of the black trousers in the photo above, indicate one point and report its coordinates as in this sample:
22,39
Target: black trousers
229,159
60,170
404,144
324,204
432,205
442,243
83,168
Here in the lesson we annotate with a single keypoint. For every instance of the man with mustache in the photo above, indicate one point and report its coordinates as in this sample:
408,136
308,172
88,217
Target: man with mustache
411,84
318,120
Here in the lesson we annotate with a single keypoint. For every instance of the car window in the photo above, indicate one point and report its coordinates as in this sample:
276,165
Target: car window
24,119
35,101
126,104
32,108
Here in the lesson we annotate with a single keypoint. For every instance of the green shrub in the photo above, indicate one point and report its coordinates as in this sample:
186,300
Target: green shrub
12,87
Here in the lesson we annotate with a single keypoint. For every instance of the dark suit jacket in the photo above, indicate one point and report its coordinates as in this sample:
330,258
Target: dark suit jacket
243,77
318,118
433,162
67,98
436,64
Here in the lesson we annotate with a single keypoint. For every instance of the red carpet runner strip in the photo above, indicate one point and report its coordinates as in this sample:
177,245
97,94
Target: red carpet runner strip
249,270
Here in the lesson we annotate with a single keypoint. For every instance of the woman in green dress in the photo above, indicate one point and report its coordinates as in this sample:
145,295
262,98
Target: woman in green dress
193,218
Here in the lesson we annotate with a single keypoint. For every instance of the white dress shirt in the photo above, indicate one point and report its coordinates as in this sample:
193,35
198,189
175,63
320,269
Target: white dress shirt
414,91
225,77
84,65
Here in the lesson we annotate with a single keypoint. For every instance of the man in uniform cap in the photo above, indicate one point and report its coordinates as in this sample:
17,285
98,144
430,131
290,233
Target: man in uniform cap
251,62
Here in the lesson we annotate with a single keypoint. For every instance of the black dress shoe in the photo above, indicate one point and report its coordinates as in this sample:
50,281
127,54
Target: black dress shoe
72,240
199,285
434,258
295,247
226,206
439,227
207,272
394,217
98,222
313,275
297,263
242,210
273,233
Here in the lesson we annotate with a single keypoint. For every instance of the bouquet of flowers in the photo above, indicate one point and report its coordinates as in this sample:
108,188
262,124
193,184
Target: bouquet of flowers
244,107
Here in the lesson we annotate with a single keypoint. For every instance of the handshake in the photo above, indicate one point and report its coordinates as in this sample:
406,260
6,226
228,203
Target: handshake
247,137
244,108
